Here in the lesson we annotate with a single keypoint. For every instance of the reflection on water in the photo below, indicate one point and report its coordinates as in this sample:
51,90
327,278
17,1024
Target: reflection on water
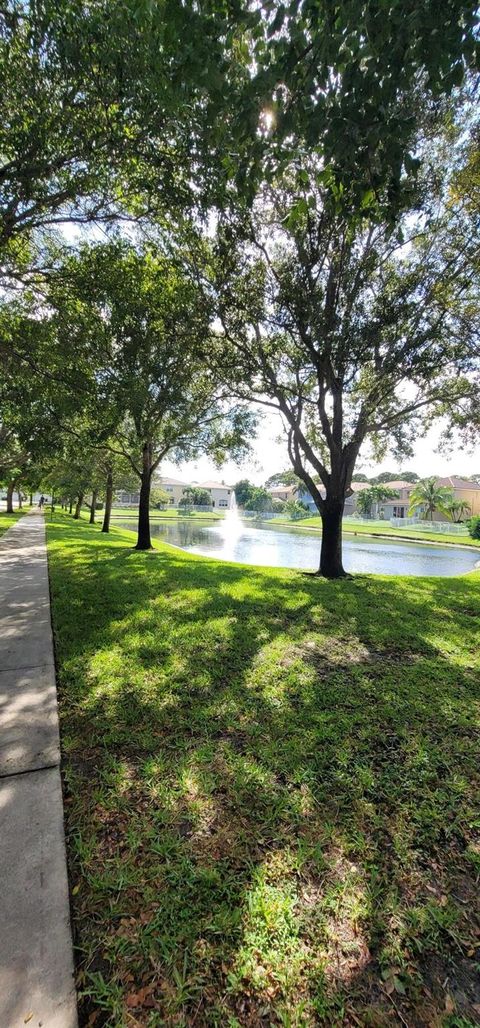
247,543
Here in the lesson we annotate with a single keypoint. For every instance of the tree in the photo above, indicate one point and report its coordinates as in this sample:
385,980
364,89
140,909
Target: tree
102,111
104,116
242,490
287,477
252,497
159,497
350,80
369,499
330,318
408,476
258,499
458,510
296,510
384,476
359,477
195,496
135,327
430,497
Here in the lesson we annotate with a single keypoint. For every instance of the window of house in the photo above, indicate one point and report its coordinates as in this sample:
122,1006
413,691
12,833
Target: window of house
222,503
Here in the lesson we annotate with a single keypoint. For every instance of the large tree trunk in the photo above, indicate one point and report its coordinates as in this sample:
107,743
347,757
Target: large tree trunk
10,488
331,565
79,506
143,540
108,502
92,508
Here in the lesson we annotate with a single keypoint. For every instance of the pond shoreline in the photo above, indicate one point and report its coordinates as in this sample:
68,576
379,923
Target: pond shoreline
263,544
310,528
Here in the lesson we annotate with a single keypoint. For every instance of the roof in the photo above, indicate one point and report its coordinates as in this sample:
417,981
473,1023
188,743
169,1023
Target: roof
453,482
357,487
398,484
213,485
281,489
164,480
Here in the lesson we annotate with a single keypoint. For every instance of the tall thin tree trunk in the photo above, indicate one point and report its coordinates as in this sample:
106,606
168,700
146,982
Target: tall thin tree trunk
31,499
10,488
79,506
143,541
331,565
92,508
19,499
108,501
70,505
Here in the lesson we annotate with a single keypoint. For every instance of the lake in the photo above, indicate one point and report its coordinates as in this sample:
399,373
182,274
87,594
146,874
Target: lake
246,543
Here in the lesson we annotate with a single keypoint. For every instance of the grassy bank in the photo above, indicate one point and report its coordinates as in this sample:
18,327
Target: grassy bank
198,515
7,520
271,789
382,529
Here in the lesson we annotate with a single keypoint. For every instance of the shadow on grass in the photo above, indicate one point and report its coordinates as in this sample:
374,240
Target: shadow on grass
271,789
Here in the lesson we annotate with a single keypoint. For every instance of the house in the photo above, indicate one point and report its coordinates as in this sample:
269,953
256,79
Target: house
284,492
221,494
463,489
123,498
398,507
350,501
301,493
173,486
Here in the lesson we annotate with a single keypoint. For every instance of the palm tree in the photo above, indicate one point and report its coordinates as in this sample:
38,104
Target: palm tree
430,497
458,510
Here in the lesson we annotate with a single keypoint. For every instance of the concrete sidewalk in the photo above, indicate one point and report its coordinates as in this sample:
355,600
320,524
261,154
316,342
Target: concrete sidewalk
36,963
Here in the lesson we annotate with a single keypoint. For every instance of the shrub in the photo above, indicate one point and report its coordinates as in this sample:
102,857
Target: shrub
474,527
297,510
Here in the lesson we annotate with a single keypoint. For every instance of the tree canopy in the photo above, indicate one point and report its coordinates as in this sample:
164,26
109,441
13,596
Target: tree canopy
350,331
275,161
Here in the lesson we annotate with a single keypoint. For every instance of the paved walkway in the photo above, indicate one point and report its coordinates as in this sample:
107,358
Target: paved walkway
36,965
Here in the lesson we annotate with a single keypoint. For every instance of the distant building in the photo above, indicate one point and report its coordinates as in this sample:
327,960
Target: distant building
173,486
398,507
284,492
220,493
463,489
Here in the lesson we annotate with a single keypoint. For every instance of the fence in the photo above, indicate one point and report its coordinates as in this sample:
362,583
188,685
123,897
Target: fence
447,528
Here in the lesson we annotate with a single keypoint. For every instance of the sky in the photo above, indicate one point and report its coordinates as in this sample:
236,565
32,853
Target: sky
270,456
269,452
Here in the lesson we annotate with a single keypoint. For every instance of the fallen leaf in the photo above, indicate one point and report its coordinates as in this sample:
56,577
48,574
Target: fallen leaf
28,1017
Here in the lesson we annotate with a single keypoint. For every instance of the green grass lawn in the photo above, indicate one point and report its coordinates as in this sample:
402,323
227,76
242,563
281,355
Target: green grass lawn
271,790
383,528
7,520
127,512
